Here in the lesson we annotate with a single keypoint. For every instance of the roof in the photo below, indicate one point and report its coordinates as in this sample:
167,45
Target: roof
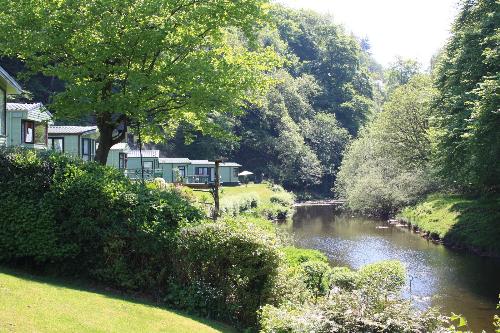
230,164
13,88
175,160
120,146
71,129
145,153
36,111
202,162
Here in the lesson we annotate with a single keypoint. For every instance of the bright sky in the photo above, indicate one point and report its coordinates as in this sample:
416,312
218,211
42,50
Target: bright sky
409,28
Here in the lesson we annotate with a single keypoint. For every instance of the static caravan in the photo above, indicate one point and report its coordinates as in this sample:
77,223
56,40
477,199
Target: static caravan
201,172
27,125
228,172
118,156
174,169
8,86
150,164
74,140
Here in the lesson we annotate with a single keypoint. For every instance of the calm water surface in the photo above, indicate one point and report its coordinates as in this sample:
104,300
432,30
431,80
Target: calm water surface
454,281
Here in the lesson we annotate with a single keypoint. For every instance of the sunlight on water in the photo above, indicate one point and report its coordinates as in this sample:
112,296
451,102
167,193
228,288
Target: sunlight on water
456,282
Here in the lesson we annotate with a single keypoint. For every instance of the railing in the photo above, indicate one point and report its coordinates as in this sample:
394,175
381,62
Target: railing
197,179
148,173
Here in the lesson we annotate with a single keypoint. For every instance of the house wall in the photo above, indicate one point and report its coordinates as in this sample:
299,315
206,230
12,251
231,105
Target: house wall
168,170
135,162
192,169
73,142
226,174
14,130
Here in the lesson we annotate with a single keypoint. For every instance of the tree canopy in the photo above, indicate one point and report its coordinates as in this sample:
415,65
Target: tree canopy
154,62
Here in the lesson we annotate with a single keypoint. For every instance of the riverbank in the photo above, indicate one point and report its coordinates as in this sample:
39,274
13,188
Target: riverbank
459,222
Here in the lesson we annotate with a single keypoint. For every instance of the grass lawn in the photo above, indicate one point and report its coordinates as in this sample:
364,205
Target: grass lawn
460,221
260,190
30,304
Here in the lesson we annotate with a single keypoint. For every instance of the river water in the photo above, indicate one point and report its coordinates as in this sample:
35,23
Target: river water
454,281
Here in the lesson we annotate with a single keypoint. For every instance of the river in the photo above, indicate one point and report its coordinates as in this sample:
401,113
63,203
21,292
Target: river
454,281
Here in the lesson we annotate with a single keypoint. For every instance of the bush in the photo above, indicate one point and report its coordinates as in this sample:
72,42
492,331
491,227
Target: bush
316,276
344,278
224,273
283,198
296,256
237,204
87,219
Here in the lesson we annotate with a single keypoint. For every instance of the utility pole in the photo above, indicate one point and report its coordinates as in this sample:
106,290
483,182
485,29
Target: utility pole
216,189
140,150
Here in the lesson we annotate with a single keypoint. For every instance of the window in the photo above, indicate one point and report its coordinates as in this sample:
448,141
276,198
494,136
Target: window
182,171
40,133
202,171
122,160
56,144
3,112
235,172
28,131
148,165
88,149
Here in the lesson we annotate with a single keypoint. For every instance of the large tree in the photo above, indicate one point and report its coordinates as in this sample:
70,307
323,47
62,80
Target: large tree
152,63
467,109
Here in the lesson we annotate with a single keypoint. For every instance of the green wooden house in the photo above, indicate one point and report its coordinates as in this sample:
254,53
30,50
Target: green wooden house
118,156
74,140
150,162
8,86
174,169
27,125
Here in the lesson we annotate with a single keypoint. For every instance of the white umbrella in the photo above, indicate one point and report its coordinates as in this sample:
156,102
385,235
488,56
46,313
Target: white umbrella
245,173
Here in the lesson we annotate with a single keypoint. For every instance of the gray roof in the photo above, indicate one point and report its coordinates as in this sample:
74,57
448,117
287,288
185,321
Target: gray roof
145,153
175,160
120,146
12,86
202,162
36,111
72,129
230,164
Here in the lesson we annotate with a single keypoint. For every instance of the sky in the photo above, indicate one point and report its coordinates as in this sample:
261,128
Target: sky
414,29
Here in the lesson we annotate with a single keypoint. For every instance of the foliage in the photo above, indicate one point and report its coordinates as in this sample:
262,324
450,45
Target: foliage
365,305
400,72
387,167
297,256
466,133
224,273
157,62
316,277
459,221
235,205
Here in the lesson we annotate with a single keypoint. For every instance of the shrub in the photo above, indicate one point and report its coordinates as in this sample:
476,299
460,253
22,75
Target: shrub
316,276
87,219
344,278
237,204
386,276
224,273
283,198
296,256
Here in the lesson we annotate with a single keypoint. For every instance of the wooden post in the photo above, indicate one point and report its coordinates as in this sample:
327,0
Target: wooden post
216,190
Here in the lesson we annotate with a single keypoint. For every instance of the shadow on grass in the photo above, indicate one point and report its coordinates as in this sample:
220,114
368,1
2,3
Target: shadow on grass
477,225
84,285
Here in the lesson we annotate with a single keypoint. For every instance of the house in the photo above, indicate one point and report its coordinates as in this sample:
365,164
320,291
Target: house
174,169
118,156
150,163
229,173
77,141
8,86
27,125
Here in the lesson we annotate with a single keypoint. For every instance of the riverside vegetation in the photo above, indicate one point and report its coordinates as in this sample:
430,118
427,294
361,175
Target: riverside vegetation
435,145
68,218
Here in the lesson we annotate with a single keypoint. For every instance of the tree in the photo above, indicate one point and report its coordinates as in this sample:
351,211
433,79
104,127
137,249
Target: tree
388,165
467,76
152,63
400,72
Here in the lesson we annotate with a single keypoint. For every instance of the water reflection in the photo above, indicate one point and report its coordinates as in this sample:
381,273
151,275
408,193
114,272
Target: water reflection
455,281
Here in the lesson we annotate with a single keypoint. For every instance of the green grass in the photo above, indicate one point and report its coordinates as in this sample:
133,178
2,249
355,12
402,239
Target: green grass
30,304
459,221
262,191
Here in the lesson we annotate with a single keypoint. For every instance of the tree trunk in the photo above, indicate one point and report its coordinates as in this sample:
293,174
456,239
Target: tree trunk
106,140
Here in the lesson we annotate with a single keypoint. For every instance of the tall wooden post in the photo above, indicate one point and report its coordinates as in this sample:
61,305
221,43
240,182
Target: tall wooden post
216,189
